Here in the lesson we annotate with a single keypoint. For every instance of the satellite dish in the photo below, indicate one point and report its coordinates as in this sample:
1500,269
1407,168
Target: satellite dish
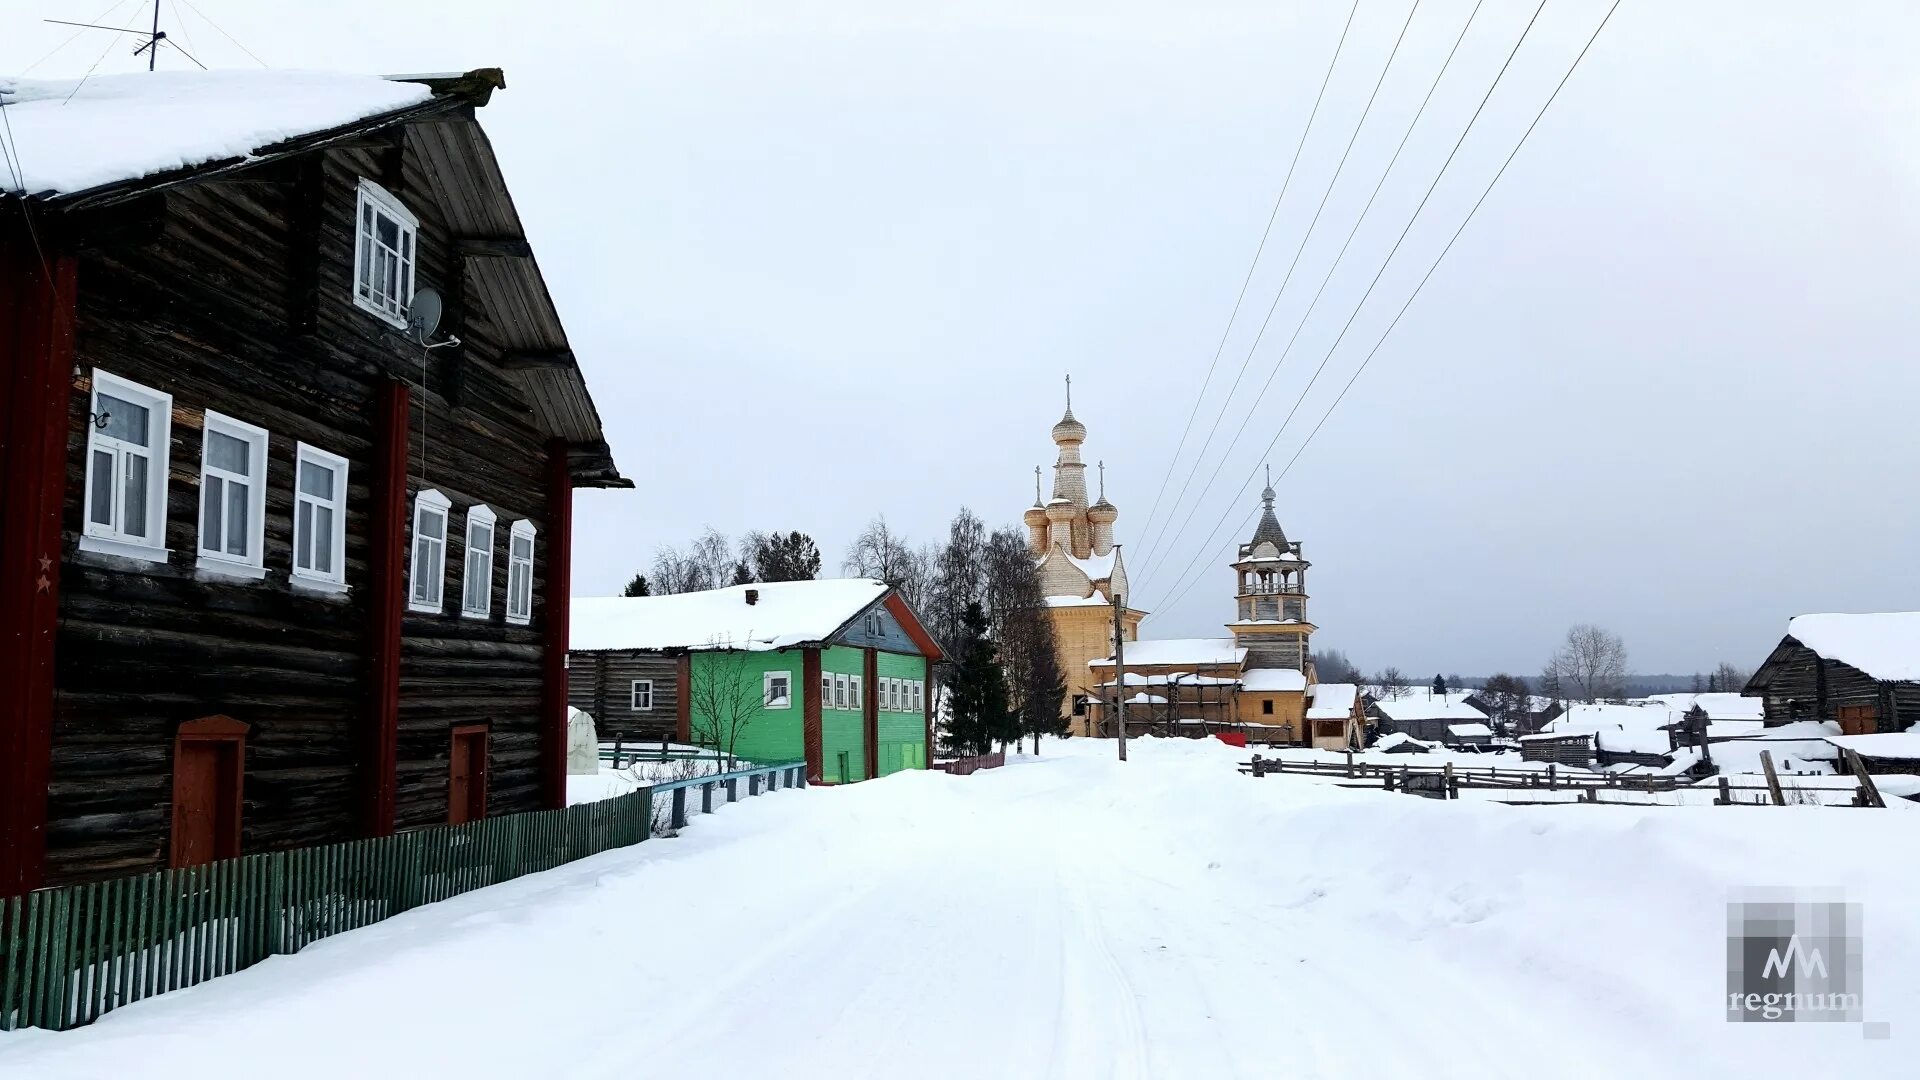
423,315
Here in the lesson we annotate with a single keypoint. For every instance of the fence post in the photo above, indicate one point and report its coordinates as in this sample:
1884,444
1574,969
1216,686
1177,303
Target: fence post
1726,794
1349,764
616,751
1773,779
1552,782
1257,770
1869,791
706,797
679,808
1453,785
733,789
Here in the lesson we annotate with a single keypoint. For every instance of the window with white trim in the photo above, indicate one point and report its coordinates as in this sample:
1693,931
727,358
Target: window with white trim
919,697
643,695
520,573
855,687
776,689
383,255
233,495
429,573
127,445
319,516
476,578
890,695
839,690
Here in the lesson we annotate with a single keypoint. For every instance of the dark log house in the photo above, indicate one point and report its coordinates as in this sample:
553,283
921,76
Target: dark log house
272,573
1861,672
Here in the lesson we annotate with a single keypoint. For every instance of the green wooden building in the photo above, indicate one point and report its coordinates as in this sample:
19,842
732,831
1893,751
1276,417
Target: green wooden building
834,672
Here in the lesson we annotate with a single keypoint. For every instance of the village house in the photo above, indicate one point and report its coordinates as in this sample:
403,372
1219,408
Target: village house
281,564
1859,671
1426,716
834,672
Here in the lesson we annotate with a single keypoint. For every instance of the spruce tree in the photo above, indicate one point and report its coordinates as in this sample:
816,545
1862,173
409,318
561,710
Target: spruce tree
1439,686
637,587
978,691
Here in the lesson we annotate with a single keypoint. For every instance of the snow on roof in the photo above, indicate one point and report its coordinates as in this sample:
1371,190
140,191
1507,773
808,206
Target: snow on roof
1277,680
1144,698
1198,652
787,613
1425,705
1903,745
1176,678
1332,701
1885,645
1096,600
1718,706
1401,738
1469,731
1096,567
110,128
1627,729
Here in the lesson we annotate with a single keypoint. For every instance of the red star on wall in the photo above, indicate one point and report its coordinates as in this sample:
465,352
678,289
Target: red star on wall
42,584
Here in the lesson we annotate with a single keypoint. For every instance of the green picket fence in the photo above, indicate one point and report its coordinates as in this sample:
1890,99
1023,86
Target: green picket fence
69,955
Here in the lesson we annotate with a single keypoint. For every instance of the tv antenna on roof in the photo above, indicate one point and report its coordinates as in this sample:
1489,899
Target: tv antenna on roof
154,37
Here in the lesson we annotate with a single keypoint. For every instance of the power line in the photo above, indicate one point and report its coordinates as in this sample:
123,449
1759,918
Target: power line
1200,397
1368,359
222,31
1284,282
1385,263
1345,246
71,38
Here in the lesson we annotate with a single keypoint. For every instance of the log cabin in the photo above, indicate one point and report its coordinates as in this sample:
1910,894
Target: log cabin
833,672
1861,672
278,566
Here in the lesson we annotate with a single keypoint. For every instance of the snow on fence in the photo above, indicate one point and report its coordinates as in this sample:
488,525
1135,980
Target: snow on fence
1552,785
69,955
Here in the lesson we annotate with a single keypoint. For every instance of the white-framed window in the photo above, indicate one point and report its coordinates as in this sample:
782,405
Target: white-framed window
776,689
383,255
855,687
476,579
233,495
889,694
429,573
127,447
826,689
919,697
643,695
839,690
319,517
520,573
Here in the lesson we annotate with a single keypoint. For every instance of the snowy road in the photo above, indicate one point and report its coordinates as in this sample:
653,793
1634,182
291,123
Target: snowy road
1068,917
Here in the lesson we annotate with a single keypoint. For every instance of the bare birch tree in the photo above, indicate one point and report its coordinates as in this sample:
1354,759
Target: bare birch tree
723,699
1591,663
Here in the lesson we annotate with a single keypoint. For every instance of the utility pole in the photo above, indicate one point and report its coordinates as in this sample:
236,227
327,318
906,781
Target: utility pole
1120,665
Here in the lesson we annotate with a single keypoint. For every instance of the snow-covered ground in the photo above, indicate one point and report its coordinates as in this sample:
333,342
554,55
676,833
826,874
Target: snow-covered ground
1074,917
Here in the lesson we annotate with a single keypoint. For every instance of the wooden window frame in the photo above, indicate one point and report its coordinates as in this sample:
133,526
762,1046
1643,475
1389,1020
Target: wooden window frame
826,690
633,696
839,691
110,537
210,729
477,562
335,580
1266,706
390,305
856,692
252,562
429,504
766,690
919,696
520,573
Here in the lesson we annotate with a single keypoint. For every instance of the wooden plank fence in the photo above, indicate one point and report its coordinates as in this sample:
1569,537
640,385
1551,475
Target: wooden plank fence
1447,781
72,954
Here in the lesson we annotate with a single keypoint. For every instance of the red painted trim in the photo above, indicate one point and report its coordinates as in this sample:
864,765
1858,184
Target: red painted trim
911,624
683,706
557,591
36,385
928,719
812,736
386,550
870,712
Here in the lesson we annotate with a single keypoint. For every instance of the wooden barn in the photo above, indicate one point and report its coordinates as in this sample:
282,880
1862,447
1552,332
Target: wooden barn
834,672
1859,671
275,570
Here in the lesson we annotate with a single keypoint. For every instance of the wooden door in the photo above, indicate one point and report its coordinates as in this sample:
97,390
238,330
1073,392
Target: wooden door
208,759
1858,719
467,775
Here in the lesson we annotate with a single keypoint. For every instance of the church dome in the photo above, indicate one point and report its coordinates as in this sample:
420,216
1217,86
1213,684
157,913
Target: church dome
1103,513
1036,516
1069,430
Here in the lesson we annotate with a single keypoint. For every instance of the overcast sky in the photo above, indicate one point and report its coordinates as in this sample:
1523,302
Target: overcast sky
823,261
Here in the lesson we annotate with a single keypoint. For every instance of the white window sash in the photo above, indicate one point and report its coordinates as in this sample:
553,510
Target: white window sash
217,483
856,686
335,539
641,686
383,274
152,458
520,573
768,681
476,577
427,574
